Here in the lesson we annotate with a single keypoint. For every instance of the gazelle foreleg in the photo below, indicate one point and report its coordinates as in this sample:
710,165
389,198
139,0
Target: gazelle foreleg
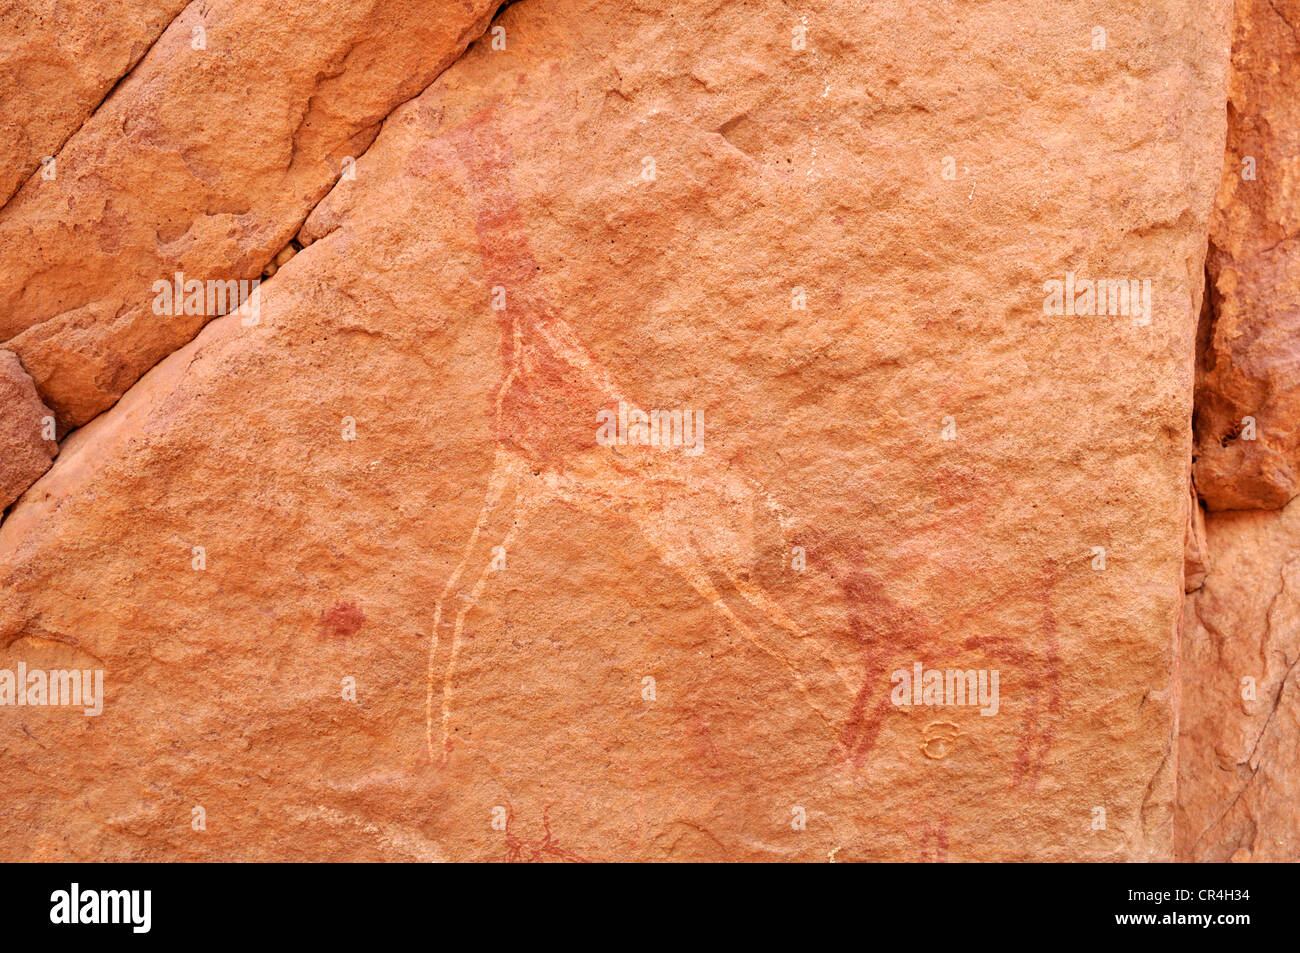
759,598
519,519
505,471
695,570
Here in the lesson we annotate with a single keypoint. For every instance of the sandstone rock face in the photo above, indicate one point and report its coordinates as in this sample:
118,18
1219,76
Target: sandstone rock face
388,573
1239,752
1248,394
25,451
58,61
1238,771
1196,549
204,162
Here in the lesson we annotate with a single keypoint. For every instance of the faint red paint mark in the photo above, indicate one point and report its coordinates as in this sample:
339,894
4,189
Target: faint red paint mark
884,632
891,637
923,836
1040,673
342,620
548,410
540,851
543,409
934,842
700,747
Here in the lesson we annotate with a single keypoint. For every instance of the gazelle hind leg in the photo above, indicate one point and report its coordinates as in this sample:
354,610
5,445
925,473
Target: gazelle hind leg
519,518
759,598
505,469
697,575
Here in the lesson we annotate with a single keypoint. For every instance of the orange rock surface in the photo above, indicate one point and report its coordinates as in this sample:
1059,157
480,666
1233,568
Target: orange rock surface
1239,756
58,61
1248,392
26,431
204,161
666,392
1239,771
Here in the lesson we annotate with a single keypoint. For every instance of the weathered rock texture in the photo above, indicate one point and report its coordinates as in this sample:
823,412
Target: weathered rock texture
1248,392
1196,550
204,161
836,253
25,453
1239,764
58,61
1239,753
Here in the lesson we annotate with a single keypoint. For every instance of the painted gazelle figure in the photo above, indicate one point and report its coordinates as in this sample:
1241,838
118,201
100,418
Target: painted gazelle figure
544,421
